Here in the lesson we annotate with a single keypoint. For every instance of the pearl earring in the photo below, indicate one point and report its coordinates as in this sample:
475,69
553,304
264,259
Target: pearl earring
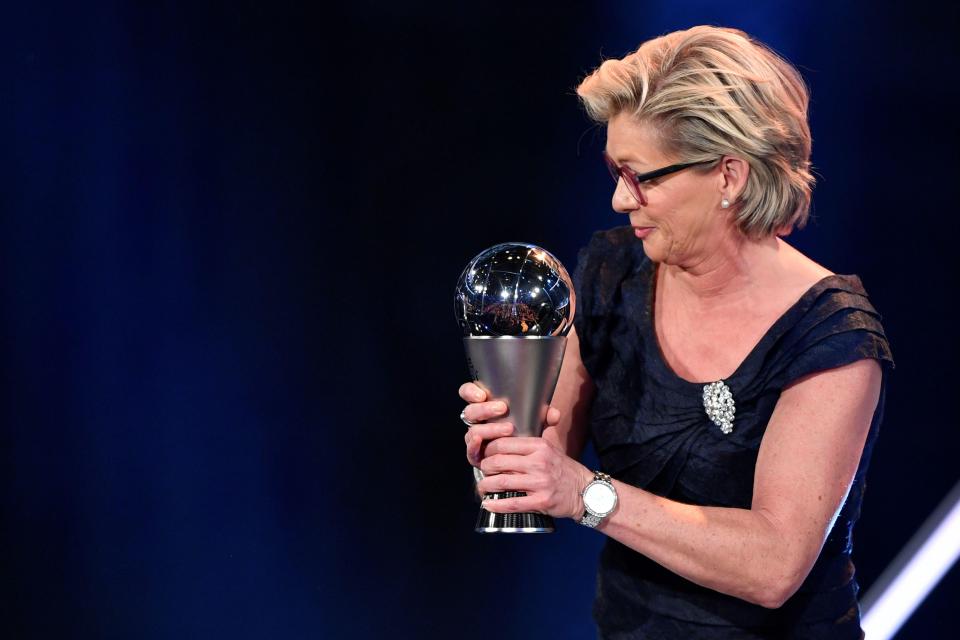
724,203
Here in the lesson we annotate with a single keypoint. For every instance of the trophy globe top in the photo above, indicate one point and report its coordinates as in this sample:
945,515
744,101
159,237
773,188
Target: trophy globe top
515,289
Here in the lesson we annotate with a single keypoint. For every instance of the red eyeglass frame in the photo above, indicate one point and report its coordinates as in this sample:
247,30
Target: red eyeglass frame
634,179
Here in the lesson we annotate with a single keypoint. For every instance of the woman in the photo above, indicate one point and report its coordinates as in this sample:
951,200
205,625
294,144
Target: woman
732,386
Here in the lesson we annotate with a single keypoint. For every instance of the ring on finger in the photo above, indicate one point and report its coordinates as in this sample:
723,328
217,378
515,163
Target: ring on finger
463,417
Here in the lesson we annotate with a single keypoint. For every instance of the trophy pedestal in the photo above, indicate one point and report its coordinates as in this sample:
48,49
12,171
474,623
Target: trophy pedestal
512,522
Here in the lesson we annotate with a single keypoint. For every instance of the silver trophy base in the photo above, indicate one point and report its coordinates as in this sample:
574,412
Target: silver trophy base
512,522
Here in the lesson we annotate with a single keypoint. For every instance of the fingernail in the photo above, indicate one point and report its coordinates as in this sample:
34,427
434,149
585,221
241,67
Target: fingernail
507,428
499,406
478,396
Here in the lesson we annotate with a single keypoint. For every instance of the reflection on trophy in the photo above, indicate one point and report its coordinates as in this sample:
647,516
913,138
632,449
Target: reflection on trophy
515,305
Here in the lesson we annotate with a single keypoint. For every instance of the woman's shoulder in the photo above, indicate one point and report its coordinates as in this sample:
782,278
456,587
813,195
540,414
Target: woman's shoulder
832,324
820,292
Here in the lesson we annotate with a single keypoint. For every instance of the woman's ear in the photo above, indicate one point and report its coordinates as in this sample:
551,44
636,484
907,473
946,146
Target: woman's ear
733,171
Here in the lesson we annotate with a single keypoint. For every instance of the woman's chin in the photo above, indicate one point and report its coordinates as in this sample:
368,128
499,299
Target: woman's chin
650,248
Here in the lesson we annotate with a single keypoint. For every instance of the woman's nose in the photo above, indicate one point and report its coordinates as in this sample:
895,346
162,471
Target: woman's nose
624,201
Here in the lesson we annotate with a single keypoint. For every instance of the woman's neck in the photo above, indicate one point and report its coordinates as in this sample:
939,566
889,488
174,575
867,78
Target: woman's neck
731,273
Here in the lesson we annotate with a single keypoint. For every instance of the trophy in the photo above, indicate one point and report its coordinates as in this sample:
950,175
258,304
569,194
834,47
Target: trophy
515,304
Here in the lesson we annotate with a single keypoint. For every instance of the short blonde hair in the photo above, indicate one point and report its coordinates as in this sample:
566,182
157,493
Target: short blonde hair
712,91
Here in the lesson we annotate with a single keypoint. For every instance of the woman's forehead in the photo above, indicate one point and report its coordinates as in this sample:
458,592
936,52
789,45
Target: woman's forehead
632,141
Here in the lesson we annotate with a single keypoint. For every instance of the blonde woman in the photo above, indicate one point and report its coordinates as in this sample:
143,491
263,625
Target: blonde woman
732,387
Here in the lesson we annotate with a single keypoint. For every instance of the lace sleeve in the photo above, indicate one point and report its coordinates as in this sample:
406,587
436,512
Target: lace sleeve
602,266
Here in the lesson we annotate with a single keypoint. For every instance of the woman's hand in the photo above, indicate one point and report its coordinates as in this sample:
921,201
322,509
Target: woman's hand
552,480
478,412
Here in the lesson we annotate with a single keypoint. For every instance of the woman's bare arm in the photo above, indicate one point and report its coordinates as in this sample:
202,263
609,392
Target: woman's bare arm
573,397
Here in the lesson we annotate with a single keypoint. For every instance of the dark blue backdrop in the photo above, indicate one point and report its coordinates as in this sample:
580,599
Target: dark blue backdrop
230,235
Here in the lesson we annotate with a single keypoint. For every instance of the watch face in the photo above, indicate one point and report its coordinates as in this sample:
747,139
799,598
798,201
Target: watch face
600,498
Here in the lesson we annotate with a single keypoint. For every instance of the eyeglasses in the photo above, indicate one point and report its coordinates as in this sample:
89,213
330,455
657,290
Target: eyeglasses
634,179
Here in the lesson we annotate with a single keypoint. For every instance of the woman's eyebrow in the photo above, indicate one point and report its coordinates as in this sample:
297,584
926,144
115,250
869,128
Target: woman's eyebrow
628,158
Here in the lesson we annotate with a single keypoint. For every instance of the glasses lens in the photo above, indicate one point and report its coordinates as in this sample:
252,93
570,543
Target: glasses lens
628,177
612,168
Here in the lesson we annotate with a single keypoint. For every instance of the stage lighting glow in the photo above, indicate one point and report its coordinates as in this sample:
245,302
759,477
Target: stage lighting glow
915,571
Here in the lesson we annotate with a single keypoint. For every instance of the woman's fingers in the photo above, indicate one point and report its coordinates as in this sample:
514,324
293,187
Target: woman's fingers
472,392
488,431
501,482
551,435
525,504
478,434
483,411
519,446
479,410
503,463
553,417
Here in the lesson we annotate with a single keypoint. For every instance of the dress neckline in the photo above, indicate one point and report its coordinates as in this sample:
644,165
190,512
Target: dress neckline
802,303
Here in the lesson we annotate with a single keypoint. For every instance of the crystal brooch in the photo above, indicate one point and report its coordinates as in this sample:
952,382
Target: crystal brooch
718,403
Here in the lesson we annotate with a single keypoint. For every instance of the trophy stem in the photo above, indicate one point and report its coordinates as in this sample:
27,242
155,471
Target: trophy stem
488,522
523,372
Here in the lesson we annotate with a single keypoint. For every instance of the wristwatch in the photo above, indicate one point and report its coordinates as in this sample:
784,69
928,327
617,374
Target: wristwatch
599,500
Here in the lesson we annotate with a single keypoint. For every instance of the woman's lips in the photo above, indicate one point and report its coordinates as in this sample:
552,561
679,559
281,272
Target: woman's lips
642,232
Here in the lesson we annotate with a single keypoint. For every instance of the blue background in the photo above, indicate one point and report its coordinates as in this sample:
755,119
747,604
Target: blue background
230,236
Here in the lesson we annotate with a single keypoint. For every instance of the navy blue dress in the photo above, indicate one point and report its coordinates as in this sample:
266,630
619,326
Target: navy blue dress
650,430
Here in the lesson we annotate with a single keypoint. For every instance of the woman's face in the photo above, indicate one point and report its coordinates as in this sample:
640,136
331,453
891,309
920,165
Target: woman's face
682,221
